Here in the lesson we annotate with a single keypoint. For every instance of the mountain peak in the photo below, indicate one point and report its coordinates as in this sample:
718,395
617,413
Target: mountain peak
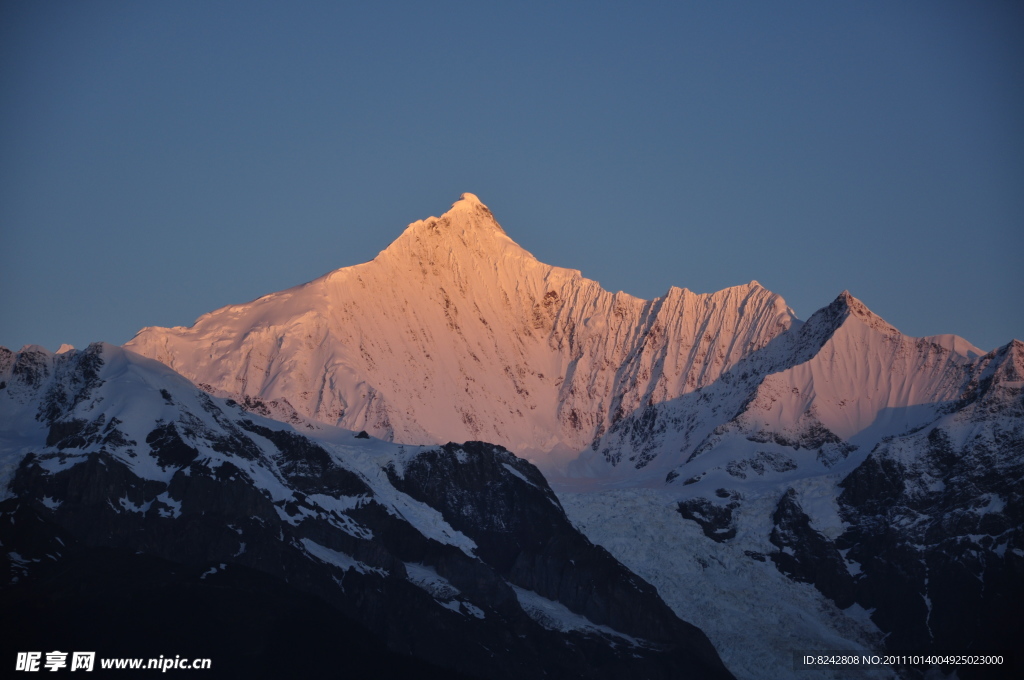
846,301
467,227
827,320
470,200
470,205
467,213
1015,350
1008,361
847,305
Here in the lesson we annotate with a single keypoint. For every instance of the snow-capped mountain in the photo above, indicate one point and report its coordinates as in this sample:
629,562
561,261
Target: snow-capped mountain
454,332
127,487
842,380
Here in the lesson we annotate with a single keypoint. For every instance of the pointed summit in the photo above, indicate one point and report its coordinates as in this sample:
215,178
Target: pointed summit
860,310
466,232
1006,364
467,212
825,322
469,199
829,319
471,206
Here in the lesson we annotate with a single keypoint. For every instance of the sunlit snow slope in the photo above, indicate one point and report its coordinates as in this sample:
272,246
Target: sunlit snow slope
455,333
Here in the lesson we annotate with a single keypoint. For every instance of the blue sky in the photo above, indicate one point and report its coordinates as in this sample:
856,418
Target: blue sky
160,160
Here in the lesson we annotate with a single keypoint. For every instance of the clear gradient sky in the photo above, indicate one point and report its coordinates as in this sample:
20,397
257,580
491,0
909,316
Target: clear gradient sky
160,160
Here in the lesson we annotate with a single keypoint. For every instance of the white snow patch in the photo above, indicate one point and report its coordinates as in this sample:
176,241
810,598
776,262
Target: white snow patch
444,593
339,559
518,474
994,503
19,560
429,580
330,509
472,609
132,507
175,506
213,570
556,616
852,566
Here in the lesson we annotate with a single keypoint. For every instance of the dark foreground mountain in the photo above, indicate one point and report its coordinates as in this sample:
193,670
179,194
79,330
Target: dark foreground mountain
143,517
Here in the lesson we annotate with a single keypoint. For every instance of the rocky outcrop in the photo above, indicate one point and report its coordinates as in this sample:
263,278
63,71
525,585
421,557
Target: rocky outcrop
713,515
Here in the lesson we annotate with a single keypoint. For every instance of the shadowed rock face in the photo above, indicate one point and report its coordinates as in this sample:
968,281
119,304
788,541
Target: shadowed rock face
248,624
715,519
807,555
436,554
941,567
504,504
